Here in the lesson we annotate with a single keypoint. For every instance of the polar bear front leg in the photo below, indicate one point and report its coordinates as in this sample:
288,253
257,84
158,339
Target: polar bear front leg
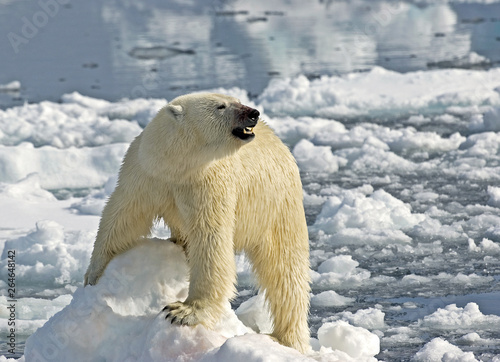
212,281
209,247
122,224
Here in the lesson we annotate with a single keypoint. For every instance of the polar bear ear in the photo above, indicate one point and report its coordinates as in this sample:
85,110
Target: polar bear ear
176,110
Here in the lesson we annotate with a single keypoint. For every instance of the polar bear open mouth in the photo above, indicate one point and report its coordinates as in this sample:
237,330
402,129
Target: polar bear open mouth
243,133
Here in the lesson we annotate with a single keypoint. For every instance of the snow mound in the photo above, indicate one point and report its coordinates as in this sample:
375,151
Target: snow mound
120,319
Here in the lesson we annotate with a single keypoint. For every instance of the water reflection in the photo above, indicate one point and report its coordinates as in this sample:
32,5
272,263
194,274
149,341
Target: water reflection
114,49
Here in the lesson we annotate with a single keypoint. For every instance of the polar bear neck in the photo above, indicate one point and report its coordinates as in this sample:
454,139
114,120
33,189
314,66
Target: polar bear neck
171,154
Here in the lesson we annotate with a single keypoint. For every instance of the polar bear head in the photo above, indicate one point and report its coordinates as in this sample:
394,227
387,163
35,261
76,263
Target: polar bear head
214,117
197,128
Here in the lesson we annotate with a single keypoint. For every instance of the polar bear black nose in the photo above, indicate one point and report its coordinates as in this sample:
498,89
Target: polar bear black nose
254,114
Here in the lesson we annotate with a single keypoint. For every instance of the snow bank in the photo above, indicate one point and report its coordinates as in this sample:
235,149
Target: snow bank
120,319
79,121
361,94
62,126
61,168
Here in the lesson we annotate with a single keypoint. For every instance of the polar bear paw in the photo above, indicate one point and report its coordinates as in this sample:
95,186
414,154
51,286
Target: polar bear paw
92,277
184,314
94,272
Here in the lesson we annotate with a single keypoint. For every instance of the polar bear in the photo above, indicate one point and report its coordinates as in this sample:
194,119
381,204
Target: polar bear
223,182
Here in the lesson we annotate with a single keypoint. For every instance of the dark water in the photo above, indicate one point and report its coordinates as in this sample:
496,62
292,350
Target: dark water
111,49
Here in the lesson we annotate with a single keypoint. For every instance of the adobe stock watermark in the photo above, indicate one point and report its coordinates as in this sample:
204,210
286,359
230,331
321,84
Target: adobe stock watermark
30,26
12,301
379,18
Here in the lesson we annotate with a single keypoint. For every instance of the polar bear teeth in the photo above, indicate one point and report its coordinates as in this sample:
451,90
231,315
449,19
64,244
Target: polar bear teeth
248,130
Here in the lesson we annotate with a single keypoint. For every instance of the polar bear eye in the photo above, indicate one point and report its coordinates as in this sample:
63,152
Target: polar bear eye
222,106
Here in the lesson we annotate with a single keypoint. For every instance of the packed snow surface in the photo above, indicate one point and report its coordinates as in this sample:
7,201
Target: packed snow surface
400,176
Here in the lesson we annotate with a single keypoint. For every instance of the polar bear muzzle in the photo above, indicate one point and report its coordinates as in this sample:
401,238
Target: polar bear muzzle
247,122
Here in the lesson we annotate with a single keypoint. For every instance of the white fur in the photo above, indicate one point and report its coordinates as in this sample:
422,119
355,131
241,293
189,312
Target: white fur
218,194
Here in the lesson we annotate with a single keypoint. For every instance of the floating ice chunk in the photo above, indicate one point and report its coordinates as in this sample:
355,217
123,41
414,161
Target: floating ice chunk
330,298
494,193
413,280
371,156
313,199
380,217
474,339
50,258
453,317
362,237
483,223
370,318
311,158
482,145
439,350
470,60
490,246
340,270
13,86
411,140
292,130
340,264
425,196
357,342
492,119
486,246
489,121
